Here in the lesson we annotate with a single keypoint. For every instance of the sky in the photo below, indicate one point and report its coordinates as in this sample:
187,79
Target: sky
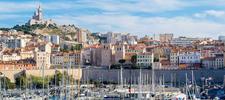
191,18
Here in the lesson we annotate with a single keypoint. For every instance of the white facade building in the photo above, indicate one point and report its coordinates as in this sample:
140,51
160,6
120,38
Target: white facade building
54,39
10,57
213,62
174,56
189,57
145,59
114,38
131,41
183,41
13,42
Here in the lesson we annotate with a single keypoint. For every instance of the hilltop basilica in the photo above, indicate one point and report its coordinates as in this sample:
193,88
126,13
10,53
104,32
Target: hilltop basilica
38,18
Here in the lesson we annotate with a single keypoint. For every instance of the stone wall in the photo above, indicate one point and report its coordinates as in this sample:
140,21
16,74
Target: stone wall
175,76
11,74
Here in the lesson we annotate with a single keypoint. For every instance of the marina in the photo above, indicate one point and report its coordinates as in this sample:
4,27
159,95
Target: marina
143,86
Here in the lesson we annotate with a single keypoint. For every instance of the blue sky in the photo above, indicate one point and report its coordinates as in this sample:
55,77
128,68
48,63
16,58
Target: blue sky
199,18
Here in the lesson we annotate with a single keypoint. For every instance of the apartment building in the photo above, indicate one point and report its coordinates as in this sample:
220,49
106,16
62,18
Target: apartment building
145,59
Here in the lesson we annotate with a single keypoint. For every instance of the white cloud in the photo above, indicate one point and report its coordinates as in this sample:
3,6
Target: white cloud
211,13
215,13
141,25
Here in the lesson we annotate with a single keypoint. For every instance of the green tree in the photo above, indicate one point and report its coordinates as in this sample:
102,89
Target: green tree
122,61
156,59
65,48
72,48
134,61
77,47
57,78
115,66
5,83
21,81
150,67
37,82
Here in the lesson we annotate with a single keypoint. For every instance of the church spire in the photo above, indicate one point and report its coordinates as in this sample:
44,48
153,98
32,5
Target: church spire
39,12
39,7
38,17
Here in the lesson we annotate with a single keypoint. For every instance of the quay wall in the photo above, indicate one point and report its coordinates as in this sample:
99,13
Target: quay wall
175,76
12,74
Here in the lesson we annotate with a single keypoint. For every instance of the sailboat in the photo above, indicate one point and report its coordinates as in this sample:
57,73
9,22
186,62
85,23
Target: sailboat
191,89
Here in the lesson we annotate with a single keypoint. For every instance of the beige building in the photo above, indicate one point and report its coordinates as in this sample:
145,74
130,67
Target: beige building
42,60
107,54
42,56
82,36
165,38
73,59
96,56
120,51
27,54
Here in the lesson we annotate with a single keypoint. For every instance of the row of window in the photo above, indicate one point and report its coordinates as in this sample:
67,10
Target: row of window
144,56
72,63
195,57
146,60
143,64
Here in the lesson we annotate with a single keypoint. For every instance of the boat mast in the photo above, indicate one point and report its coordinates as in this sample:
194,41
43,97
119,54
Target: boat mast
140,85
121,76
224,81
153,73
153,79
192,81
43,84
186,84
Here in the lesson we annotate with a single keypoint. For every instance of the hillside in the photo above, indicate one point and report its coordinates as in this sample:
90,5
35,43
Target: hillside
68,32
